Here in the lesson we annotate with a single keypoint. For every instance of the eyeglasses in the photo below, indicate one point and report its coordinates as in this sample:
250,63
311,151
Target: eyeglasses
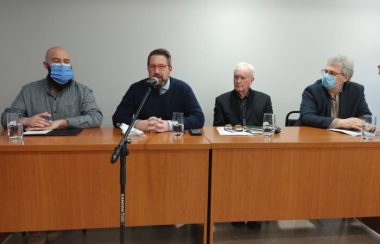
160,67
330,72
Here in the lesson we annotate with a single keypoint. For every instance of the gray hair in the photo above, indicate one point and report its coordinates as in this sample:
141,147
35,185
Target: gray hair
348,65
247,66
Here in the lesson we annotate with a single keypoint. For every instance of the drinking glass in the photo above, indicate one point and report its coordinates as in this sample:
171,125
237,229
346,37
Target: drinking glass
368,127
177,122
269,124
14,126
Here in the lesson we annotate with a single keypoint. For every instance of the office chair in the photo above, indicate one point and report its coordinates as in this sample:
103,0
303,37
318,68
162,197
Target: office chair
290,120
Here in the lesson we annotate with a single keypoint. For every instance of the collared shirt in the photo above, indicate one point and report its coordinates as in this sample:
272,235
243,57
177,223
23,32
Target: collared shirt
243,109
335,106
165,88
243,106
334,110
75,103
162,91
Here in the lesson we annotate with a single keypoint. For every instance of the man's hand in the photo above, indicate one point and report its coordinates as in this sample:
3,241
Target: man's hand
39,122
58,124
161,125
36,122
153,124
350,123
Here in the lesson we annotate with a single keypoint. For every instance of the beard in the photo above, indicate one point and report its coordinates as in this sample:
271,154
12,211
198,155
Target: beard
56,85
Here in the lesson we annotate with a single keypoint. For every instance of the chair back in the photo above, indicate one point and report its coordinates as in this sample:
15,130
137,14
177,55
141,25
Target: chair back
291,118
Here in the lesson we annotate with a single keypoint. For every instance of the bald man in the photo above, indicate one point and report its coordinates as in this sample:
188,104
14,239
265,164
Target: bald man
57,101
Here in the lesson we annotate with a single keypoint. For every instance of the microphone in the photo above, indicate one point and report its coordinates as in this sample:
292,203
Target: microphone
121,147
153,81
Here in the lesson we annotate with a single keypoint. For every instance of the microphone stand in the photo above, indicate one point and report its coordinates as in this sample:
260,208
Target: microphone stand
122,151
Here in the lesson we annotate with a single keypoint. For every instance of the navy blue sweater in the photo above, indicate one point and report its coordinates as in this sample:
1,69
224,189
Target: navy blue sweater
179,98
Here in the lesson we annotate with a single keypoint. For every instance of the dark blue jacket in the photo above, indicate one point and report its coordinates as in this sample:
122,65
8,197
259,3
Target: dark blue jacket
179,98
316,104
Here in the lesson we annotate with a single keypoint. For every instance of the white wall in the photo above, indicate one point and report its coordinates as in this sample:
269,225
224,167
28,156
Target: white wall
287,41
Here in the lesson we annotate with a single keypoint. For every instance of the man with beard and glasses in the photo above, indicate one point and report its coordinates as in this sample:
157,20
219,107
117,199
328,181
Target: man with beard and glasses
169,95
57,101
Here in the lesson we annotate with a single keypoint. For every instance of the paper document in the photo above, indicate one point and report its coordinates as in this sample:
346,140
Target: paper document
134,131
348,132
36,132
231,132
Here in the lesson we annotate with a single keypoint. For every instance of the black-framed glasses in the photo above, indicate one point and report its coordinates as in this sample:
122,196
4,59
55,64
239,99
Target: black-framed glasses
330,72
160,67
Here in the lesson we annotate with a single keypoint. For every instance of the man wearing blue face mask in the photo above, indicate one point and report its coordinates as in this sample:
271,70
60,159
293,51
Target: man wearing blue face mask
57,101
334,101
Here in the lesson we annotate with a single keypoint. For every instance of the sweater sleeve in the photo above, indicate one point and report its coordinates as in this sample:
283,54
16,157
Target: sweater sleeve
193,115
125,110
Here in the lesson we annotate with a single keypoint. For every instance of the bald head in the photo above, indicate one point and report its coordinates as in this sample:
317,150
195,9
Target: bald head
56,55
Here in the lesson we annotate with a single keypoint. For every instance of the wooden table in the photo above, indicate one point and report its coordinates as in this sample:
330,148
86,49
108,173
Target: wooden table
53,183
56,183
303,173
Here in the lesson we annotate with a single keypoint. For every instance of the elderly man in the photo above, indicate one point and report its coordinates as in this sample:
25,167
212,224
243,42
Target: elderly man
57,101
334,101
242,106
170,95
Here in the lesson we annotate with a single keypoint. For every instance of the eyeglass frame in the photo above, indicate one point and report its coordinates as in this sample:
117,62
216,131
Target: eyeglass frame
330,72
160,67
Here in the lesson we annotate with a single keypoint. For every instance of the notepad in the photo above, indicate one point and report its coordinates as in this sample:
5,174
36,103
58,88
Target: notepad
65,132
223,132
58,132
36,132
249,131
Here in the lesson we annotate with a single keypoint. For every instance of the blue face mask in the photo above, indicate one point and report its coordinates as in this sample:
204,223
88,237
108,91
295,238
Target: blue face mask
61,73
328,81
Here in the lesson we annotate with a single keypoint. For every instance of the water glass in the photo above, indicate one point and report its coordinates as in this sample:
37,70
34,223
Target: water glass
177,122
368,127
14,126
269,125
